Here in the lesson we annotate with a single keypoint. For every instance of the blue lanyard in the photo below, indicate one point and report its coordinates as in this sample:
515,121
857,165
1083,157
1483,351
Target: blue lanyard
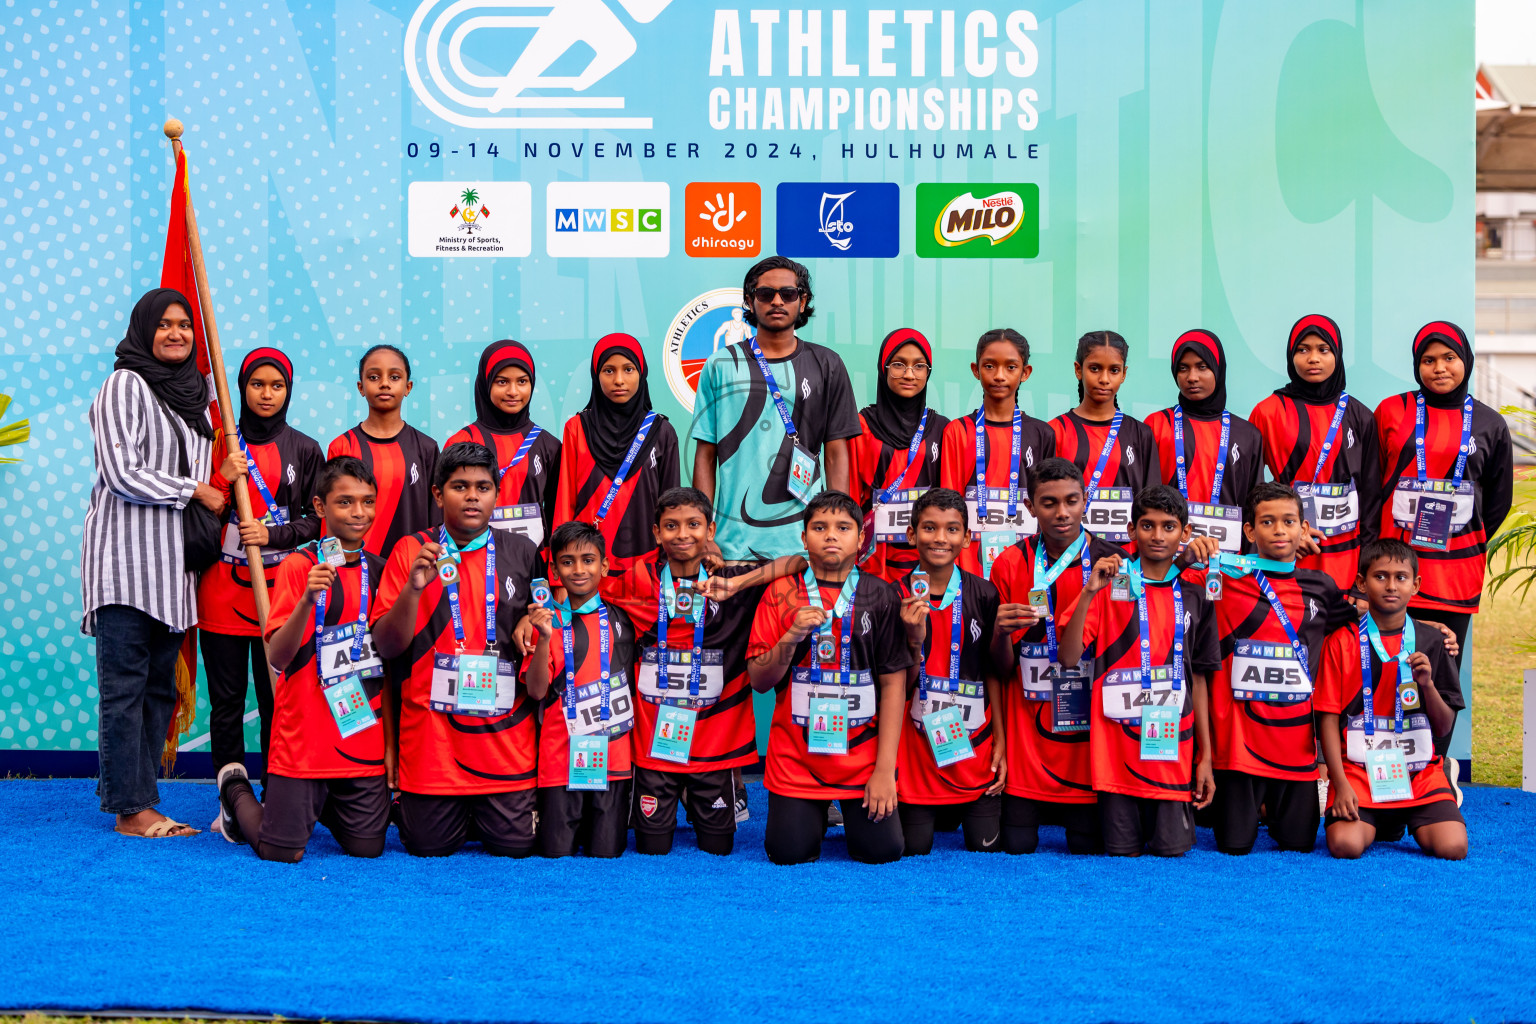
1013,463
1370,636
362,617
1046,579
666,604
773,387
1143,625
955,604
842,610
452,589
618,479
1221,452
1109,444
280,515
1466,440
522,453
1285,620
568,644
1333,432
912,450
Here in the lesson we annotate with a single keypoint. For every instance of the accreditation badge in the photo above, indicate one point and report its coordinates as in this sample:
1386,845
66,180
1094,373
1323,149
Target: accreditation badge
588,763
827,729
349,705
802,473
1159,733
476,691
947,737
1387,769
673,738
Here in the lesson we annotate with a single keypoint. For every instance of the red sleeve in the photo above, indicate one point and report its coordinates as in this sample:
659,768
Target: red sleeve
292,581
1091,626
955,456
215,478
1333,674
1160,424
771,618
634,591
461,435
338,447
861,466
1059,428
565,494
1005,574
397,576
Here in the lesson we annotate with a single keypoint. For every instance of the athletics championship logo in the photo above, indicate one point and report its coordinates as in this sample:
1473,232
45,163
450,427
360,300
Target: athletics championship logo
705,325
487,63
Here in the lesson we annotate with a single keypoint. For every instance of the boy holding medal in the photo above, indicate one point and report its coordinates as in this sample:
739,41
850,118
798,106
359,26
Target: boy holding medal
447,609
589,709
1045,706
329,747
951,762
1386,691
832,646
1155,639
694,727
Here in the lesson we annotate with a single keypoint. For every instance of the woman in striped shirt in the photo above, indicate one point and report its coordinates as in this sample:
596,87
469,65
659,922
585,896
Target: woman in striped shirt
138,597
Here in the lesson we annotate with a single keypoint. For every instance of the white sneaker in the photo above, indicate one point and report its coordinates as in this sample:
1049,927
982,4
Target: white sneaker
225,824
1453,776
742,814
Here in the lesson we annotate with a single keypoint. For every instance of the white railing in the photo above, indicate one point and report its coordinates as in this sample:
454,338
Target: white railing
1506,314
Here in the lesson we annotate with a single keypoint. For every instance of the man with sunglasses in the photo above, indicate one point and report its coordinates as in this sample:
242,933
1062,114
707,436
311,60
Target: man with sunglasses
766,409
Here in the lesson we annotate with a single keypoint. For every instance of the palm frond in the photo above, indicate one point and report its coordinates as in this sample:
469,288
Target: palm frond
11,434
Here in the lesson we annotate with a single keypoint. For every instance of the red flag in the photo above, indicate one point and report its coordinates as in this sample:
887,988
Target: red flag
177,273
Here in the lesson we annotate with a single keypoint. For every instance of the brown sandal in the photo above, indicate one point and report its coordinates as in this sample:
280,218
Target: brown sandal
161,829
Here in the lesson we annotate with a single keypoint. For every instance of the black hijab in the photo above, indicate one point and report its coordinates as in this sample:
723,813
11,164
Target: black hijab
256,429
894,419
182,385
498,355
1327,390
1208,347
609,426
1453,337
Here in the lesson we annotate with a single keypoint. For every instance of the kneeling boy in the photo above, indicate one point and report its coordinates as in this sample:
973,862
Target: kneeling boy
1379,733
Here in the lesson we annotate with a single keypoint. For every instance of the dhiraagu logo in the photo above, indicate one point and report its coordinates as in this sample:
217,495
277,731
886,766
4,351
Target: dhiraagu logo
608,218
989,221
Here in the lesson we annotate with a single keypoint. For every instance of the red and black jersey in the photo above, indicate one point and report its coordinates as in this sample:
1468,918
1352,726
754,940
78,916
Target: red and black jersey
582,488
1043,764
1293,433
957,461
447,754
1340,692
534,480
623,651
879,646
919,778
306,743
403,466
1450,580
1116,744
878,466
1272,740
1202,439
290,466
725,735
1132,462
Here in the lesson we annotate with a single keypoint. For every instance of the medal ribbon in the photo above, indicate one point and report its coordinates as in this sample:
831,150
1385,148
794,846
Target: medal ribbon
1370,636
908,473
1143,625
568,644
1221,453
842,610
952,601
666,607
1285,620
362,618
618,480
1046,579
452,589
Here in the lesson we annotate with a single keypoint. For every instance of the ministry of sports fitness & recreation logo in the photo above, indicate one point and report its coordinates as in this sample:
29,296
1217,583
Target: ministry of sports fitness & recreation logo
706,324
520,92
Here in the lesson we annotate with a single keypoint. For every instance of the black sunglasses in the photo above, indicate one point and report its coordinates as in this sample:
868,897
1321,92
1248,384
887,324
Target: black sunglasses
766,294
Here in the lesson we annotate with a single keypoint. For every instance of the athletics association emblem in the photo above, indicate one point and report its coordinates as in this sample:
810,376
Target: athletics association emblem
706,324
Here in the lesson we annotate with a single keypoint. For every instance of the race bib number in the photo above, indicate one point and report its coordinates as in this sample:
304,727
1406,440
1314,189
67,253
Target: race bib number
1417,742
968,699
1037,671
336,655
857,689
1269,672
1222,523
526,519
1405,501
1109,513
672,689
1332,509
589,708
1124,696
445,687
233,552
892,517
997,519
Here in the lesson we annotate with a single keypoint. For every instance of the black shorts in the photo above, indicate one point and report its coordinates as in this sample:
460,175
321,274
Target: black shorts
350,808
711,799
979,820
1165,828
1023,816
1394,819
596,821
1288,809
435,826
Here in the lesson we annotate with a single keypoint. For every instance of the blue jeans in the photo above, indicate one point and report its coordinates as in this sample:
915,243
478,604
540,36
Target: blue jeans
136,680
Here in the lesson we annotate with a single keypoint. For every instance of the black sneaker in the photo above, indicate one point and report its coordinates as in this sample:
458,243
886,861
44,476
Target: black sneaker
742,813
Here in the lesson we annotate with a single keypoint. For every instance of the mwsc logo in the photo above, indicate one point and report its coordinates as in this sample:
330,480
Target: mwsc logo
608,218
476,96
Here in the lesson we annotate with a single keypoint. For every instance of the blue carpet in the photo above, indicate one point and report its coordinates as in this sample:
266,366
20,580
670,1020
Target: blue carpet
93,920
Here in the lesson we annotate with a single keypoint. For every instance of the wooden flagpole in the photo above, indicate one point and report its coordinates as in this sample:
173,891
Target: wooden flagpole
173,129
